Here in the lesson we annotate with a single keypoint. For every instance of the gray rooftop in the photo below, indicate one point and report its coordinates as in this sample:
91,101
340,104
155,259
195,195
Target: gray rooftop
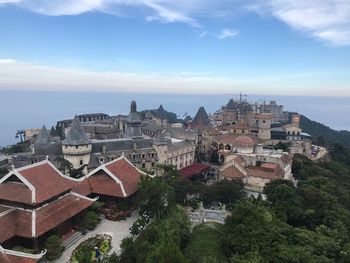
76,134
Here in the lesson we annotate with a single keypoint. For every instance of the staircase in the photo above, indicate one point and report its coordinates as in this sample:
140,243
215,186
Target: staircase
72,240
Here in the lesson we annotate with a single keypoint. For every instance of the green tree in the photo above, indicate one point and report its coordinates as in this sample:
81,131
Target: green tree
54,247
166,252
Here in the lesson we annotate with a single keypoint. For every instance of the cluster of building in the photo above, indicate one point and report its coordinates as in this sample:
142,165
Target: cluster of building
239,142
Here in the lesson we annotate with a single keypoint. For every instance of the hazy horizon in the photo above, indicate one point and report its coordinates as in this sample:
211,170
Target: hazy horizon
18,111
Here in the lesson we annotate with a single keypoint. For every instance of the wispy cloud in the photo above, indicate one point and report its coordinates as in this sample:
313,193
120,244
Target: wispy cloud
203,34
228,33
327,20
19,75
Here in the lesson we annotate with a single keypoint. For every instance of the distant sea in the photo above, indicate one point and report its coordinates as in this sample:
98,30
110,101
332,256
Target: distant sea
32,109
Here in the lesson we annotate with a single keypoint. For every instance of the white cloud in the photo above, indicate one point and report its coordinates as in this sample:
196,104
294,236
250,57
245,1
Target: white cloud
203,34
228,33
327,20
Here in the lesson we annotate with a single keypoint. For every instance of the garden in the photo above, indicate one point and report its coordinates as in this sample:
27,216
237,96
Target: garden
85,252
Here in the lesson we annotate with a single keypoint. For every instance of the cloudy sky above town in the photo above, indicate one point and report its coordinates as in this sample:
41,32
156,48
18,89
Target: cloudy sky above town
284,47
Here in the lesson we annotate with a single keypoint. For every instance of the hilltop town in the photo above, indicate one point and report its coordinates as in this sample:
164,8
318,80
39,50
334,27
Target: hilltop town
97,158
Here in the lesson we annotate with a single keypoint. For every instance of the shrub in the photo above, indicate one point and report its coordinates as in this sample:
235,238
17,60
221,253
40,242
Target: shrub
54,247
91,220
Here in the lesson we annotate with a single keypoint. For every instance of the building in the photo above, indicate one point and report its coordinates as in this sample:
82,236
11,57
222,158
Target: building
242,157
37,201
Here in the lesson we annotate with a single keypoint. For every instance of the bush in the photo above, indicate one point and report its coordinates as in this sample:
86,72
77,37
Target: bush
91,220
54,248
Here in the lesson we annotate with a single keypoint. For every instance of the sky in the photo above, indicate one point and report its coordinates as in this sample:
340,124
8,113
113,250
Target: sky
281,47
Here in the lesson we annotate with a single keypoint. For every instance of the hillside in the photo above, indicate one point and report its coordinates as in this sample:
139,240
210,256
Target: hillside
319,131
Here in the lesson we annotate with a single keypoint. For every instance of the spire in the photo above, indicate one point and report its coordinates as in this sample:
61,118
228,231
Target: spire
201,118
43,137
133,107
76,134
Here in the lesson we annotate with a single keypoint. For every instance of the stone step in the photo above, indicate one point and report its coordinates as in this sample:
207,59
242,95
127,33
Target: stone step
72,240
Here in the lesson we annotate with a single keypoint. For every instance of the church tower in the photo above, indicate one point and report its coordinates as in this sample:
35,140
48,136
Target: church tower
76,147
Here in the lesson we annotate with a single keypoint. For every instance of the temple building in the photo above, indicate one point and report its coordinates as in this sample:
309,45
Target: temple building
37,201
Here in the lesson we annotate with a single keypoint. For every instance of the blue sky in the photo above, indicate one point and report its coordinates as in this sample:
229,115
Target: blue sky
283,47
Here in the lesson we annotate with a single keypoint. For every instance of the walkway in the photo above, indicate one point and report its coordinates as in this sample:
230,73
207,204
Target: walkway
117,230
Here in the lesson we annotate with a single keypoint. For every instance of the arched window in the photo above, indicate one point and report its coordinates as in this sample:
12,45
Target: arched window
227,147
81,162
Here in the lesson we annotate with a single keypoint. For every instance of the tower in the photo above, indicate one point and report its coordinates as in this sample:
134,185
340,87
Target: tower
296,120
133,123
76,147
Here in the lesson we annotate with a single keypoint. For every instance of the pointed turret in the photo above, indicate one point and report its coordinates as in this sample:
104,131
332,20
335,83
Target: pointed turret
43,137
201,118
76,134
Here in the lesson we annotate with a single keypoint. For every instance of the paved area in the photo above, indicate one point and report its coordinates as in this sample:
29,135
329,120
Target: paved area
117,230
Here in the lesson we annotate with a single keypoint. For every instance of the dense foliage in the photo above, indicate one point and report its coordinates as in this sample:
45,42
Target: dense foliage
16,148
307,222
323,135
54,248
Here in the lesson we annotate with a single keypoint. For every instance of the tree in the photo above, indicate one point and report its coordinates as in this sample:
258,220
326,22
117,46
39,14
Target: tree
166,252
54,248
156,196
91,220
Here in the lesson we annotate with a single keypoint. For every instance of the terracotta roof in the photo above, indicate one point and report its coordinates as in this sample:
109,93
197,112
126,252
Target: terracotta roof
8,228
47,181
50,216
126,173
271,166
193,170
16,192
244,141
102,183
17,259
17,222
232,172
265,172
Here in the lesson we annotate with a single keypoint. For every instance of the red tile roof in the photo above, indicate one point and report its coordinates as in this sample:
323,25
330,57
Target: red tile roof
265,173
237,140
232,173
17,259
127,173
16,192
50,216
47,181
193,170
102,183
8,228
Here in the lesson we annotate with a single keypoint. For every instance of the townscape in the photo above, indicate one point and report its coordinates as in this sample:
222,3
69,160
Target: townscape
96,160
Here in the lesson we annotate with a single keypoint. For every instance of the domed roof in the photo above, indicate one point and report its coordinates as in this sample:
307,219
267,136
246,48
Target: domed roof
244,141
239,141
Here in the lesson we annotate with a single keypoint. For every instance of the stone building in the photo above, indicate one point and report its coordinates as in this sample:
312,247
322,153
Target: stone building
178,153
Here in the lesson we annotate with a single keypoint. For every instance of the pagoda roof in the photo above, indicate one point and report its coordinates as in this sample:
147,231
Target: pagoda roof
34,184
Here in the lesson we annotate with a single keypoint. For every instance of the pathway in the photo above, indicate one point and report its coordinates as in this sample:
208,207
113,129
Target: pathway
118,230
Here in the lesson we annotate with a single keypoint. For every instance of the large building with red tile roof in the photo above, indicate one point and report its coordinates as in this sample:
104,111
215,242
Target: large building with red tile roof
37,199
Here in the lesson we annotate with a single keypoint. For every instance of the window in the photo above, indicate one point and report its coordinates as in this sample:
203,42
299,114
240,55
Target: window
143,165
152,164
143,156
133,157
76,146
81,162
